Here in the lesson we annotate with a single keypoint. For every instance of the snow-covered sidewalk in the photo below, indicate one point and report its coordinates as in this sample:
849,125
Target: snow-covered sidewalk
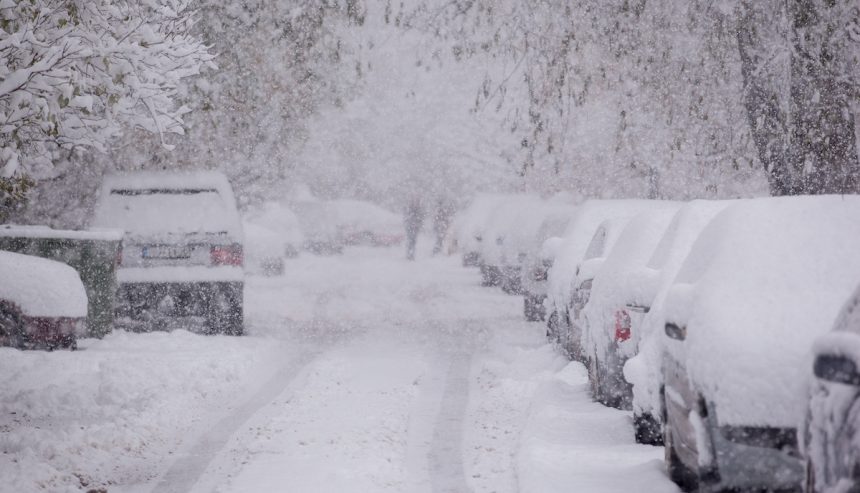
360,373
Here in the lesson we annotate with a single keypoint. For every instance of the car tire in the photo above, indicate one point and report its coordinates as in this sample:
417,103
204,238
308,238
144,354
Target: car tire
552,327
225,314
647,430
532,308
686,479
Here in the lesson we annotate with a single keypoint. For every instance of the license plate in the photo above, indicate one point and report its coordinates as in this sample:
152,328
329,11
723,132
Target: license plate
167,252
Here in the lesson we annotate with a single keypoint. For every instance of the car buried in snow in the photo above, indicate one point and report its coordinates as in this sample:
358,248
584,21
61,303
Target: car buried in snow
764,279
183,257
832,425
564,286
43,303
649,284
616,307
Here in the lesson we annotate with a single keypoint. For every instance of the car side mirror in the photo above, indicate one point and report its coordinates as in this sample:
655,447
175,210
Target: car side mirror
839,369
676,332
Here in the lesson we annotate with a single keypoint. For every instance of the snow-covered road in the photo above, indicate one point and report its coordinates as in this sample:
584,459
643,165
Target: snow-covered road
360,373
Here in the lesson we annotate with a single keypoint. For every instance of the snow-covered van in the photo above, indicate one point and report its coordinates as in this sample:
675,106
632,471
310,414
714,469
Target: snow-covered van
182,259
764,279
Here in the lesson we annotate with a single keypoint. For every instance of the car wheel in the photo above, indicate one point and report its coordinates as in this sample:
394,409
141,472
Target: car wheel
552,327
679,473
531,309
647,429
11,327
226,311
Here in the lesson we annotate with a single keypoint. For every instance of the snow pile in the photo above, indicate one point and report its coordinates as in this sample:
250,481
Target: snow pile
653,282
113,412
578,237
613,289
41,287
761,282
151,204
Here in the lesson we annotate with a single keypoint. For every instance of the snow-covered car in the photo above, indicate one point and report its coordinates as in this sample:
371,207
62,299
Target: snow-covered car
469,225
616,307
364,223
318,222
509,232
832,426
539,260
272,233
569,281
43,303
183,256
764,279
651,282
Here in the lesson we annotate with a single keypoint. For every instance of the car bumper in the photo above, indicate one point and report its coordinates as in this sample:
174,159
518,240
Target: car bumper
749,466
149,301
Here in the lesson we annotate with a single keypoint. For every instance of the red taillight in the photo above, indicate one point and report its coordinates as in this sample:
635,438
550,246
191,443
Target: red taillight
622,326
227,255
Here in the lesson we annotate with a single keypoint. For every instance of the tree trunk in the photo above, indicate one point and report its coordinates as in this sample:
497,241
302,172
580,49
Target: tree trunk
766,115
807,144
824,146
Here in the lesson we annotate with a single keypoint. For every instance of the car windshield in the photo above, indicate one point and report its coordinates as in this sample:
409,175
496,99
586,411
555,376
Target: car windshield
154,211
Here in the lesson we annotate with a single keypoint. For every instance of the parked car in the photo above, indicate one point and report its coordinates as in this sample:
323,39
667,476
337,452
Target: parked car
367,224
832,426
470,224
43,303
318,221
617,305
272,234
652,281
762,281
183,254
538,261
507,231
563,279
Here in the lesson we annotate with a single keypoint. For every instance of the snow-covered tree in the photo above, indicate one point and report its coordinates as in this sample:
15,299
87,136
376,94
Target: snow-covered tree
75,74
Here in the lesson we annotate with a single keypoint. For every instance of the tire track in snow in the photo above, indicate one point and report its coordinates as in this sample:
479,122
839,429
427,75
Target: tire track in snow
447,473
187,470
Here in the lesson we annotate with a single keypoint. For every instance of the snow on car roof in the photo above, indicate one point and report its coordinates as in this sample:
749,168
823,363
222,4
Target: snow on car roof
41,287
612,288
511,227
765,277
151,204
579,233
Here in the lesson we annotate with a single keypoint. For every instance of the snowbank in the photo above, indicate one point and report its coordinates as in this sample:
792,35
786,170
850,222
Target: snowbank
765,278
41,287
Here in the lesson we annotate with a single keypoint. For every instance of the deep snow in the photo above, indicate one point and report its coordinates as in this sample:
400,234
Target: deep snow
360,372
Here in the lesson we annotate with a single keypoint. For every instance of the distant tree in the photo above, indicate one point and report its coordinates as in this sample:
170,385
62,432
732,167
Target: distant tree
75,74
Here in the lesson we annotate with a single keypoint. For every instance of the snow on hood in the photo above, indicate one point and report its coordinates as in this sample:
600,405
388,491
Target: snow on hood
511,229
41,287
152,204
613,289
580,231
764,279
473,220
653,281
